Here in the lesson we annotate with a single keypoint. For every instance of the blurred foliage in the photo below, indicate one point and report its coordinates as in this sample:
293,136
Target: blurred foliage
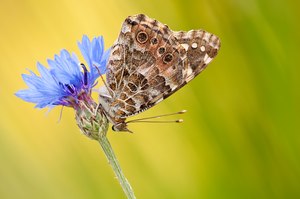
240,138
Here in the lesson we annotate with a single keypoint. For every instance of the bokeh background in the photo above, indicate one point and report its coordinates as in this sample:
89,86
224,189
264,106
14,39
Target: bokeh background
241,135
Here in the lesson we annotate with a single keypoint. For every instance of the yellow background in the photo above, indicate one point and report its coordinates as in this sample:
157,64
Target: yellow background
241,135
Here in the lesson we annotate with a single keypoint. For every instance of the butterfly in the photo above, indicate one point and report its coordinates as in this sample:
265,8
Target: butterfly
148,63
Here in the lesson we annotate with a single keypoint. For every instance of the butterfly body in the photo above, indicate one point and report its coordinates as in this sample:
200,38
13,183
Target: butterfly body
148,63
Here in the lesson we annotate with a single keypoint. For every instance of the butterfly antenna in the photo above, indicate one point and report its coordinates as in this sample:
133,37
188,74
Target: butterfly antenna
146,119
101,76
153,121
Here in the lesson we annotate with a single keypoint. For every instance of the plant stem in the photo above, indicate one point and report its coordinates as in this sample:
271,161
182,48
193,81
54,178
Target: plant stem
115,166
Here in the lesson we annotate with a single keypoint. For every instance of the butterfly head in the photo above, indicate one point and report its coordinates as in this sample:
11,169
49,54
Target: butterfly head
121,127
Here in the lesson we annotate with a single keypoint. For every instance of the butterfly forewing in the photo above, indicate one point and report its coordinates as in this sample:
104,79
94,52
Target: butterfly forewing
149,62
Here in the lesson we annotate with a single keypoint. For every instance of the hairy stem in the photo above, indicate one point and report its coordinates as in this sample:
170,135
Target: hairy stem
115,166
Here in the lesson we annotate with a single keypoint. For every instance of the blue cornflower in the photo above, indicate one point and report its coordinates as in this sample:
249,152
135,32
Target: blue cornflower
67,81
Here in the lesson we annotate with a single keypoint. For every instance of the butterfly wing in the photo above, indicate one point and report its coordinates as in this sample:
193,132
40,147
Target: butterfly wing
149,62
200,47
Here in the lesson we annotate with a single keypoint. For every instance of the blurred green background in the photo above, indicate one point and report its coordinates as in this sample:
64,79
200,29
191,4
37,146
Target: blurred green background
241,135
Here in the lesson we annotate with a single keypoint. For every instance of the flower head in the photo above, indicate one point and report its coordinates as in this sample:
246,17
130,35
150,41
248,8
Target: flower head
67,81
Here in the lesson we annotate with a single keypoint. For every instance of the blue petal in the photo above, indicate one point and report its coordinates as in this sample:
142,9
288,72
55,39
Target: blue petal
97,49
37,97
84,49
66,68
94,55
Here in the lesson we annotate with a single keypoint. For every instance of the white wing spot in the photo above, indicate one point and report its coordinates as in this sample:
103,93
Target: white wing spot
125,28
206,36
194,45
202,48
207,59
185,46
189,71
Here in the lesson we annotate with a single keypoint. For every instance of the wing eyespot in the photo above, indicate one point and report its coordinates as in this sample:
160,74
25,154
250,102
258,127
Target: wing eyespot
168,58
161,50
154,41
142,37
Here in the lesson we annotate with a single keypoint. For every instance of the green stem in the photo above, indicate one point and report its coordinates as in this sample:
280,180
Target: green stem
115,166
